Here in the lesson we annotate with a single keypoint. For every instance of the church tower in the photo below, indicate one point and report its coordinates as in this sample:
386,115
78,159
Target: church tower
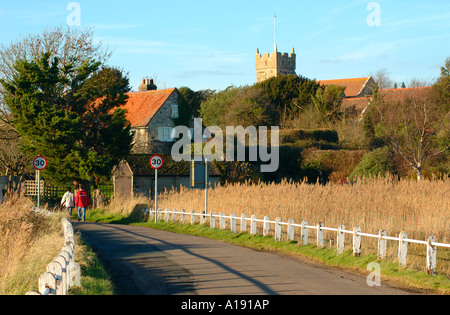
274,64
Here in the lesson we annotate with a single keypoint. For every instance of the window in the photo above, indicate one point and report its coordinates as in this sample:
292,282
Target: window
175,113
165,134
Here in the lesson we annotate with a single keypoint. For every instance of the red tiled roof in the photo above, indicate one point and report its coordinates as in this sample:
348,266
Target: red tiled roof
142,106
360,103
399,95
353,87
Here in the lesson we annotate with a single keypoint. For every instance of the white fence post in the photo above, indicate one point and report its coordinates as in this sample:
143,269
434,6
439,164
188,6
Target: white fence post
174,215
402,249
56,269
278,230
340,239
233,223
212,221
291,230
166,216
65,271
221,221
47,284
183,216
431,256
193,217
243,223
159,214
382,244
202,217
67,258
266,226
320,235
356,241
253,225
304,232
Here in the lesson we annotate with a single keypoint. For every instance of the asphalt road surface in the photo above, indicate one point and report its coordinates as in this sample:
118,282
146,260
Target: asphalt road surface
143,261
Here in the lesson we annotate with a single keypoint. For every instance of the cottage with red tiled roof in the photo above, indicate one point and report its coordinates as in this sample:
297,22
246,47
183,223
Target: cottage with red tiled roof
354,88
151,113
358,92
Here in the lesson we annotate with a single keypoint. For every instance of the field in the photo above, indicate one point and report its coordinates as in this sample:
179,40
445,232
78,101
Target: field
421,209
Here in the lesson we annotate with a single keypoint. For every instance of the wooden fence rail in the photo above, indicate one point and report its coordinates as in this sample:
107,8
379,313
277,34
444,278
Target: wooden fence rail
63,272
341,232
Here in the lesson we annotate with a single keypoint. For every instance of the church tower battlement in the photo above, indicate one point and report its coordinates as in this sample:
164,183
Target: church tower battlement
274,64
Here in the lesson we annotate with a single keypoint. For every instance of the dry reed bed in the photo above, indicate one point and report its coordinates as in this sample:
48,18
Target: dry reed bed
421,209
28,242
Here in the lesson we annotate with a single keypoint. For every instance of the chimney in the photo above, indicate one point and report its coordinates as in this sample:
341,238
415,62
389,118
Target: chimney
147,85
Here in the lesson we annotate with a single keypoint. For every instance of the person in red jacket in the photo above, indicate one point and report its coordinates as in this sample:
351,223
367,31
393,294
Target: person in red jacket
82,202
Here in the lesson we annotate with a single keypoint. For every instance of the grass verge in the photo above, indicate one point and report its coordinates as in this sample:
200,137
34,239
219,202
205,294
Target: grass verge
94,278
391,273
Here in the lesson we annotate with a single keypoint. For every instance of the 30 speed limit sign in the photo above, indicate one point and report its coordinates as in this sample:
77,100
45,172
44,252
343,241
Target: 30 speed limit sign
40,163
156,162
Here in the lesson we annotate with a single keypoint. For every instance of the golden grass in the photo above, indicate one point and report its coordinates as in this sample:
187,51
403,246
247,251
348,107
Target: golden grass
421,209
28,242
127,206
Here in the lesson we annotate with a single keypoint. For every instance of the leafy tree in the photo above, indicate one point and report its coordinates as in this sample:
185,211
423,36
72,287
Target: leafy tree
251,107
445,70
291,94
194,99
214,109
328,101
71,115
72,46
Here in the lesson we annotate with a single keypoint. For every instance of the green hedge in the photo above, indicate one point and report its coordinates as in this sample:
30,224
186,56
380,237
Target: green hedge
296,135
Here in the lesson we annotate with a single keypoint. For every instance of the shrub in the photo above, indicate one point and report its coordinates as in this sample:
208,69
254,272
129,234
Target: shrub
375,163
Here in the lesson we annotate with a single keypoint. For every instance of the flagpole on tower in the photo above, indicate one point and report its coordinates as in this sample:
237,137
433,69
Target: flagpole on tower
275,31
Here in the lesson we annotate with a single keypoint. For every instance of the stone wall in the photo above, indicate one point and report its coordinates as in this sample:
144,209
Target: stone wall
163,118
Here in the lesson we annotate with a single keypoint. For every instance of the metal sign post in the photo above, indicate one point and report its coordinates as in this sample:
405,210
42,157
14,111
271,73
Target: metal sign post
39,163
206,186
156,162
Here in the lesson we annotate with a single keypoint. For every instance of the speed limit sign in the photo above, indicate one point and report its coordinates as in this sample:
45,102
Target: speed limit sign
40,163
156,162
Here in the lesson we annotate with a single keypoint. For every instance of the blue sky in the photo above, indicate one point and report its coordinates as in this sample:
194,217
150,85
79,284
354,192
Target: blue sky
212,44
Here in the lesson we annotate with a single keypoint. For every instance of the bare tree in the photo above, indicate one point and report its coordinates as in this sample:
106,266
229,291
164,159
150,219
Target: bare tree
382,79
71,45
12,160
414,124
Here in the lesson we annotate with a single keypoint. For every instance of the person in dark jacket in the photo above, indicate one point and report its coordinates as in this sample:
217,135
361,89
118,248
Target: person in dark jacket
82,202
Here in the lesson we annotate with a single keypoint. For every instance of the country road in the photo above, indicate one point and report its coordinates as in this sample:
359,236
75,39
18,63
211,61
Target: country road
143,261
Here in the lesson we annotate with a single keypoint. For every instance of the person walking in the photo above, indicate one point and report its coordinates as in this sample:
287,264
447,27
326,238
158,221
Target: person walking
82,202
68,201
